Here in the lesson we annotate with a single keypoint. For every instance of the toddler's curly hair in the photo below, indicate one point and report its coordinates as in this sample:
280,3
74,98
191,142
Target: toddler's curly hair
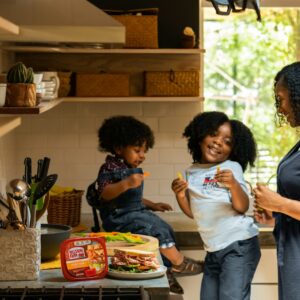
121,131
207,123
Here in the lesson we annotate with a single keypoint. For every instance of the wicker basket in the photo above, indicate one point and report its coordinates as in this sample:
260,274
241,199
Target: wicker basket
141,27
102,85
64,83
172,83
65,208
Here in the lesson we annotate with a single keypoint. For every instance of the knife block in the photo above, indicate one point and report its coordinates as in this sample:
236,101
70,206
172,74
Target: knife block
21,254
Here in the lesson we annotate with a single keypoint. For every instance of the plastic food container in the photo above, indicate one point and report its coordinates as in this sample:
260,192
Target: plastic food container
84,258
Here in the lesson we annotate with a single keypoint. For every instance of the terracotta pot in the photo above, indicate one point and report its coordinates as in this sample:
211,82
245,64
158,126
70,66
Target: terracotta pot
20,95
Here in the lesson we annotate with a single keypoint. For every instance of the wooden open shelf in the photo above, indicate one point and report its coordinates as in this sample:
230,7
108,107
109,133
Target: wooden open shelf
132,99
7,124
7,27
43,107
47,105
69,50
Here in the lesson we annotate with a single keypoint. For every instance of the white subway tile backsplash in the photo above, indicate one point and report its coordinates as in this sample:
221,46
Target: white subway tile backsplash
173,124
62,140
151,186
126,108
173,156
164,140
151,122
46,125
30,140
187,109
161,171
68,135
79,156
165,187
154,110
88,140
151,157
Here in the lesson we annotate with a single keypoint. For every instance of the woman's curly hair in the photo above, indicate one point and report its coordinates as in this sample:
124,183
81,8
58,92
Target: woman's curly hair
207,123
290,78
121,131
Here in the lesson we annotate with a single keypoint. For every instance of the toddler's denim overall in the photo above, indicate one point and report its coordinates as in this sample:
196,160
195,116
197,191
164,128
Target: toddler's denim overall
127,213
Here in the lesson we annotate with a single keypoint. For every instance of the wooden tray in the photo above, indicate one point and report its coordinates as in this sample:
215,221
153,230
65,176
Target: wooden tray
151,244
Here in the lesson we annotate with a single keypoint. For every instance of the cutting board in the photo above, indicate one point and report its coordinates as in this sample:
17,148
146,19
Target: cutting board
151,244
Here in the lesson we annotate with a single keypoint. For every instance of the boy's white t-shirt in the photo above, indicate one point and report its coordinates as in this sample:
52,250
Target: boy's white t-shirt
218,223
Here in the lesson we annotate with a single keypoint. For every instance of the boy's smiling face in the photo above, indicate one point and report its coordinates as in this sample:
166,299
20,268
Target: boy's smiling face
133,155
216,148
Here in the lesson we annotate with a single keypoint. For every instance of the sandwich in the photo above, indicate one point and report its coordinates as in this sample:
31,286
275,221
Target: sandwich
133,261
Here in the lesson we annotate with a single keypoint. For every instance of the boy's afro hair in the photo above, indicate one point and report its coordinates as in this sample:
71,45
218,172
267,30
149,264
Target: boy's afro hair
206,123
121,131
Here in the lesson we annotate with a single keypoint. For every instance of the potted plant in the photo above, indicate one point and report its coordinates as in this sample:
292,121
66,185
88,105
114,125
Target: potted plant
20,91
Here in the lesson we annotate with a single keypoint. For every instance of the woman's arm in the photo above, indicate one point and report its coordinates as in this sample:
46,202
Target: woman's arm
113,190
267,199
179,187
240,200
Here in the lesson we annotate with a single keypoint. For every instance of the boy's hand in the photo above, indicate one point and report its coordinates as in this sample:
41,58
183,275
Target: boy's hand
160,206
134,180
226,178
179,187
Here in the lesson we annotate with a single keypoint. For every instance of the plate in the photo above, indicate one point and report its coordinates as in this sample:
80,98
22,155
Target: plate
147,275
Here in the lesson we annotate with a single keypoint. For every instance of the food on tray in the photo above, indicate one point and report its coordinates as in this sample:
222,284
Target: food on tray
116,236
133,261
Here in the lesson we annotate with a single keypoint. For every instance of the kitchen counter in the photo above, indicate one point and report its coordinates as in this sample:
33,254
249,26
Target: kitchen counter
157,288
188,238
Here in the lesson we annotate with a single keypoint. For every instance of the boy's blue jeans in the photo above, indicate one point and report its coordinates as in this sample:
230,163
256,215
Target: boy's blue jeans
228,272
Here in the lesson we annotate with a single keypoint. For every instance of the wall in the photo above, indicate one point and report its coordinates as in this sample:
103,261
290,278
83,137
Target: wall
68,135
7,160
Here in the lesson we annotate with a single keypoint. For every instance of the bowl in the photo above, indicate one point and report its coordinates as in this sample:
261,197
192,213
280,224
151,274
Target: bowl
52,235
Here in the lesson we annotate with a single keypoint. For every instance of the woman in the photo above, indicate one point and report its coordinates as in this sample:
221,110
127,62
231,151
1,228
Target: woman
282,209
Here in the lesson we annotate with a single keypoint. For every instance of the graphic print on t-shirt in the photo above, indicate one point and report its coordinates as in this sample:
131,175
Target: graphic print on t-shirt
209,182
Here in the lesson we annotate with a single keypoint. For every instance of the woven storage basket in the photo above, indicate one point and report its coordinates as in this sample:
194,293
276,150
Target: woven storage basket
64,83
141,27
172,83
102,85
65,208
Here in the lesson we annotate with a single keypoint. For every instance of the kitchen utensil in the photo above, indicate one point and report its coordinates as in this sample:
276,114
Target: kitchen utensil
28,170
41,212
18,190
39,170
45,167
42,188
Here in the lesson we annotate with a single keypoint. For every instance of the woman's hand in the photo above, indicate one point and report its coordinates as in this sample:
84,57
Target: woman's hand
226,178
263,216
179,187
267,199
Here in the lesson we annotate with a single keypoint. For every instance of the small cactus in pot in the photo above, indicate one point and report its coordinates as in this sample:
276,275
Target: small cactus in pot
21,90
